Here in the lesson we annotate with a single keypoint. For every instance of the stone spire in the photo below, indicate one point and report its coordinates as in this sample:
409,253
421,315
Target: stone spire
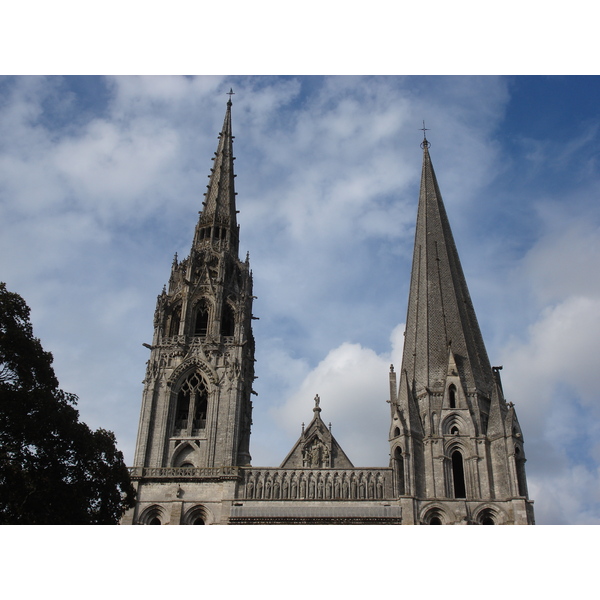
218,222
441,320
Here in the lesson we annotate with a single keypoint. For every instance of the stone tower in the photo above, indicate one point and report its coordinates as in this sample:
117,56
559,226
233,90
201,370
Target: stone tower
196,408
456,445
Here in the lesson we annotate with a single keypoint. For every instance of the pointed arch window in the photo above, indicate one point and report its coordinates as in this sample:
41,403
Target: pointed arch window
201,320
458,475
175,321
521,479
227,321
399,460
192,405
452,396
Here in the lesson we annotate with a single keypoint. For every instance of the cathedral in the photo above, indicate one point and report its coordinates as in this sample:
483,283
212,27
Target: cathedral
456,447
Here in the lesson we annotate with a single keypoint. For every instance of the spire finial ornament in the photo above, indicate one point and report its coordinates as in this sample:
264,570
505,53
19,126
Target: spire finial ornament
230,93
424,143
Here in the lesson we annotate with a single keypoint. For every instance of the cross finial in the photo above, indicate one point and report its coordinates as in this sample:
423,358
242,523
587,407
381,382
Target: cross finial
230,93
424,143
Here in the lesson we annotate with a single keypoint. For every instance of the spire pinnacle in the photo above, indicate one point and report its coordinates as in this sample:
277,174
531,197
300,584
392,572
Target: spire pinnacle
217,223
230,93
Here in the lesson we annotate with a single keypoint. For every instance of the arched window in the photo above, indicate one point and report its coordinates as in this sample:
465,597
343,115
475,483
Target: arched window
399,460
227,321
183,411
521,478
454,430
396,431
192,399
452,396
458,475
153,515
433,516
197,516
487,517
201,322
175,320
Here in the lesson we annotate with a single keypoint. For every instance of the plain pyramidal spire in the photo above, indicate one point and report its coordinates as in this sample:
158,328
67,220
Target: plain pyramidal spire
440,312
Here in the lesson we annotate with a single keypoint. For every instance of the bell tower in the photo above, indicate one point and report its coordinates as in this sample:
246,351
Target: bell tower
196,408
455,443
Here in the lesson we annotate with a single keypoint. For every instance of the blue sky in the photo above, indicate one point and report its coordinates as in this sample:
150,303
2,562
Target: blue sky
101,180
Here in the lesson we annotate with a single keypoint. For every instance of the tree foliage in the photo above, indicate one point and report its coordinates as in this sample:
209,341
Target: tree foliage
53,468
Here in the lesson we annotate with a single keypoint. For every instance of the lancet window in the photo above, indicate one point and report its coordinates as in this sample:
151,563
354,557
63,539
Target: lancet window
458,475
520,466
174,322
227,321
452,396
400,471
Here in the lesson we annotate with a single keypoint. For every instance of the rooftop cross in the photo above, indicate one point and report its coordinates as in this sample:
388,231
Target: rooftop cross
230,93
425,143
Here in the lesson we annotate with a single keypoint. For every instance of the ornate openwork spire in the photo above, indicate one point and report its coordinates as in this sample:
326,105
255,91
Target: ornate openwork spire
218,222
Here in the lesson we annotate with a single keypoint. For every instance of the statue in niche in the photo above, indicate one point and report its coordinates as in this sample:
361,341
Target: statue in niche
315,455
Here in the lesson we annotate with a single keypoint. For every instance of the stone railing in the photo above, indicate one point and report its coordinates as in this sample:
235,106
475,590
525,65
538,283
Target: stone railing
185,340
184,472
315,484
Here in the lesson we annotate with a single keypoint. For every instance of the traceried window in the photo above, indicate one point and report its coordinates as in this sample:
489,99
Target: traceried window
201,321
192,404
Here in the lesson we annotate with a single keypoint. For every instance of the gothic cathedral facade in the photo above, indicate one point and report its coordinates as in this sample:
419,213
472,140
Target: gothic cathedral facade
456,447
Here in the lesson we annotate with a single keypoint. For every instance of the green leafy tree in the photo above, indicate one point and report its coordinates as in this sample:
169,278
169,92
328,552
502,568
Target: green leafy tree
53,468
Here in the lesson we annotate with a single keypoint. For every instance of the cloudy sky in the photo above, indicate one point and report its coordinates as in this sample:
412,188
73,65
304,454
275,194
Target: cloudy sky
101,180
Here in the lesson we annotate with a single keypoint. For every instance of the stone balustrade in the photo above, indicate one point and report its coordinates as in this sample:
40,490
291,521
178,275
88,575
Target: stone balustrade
315,484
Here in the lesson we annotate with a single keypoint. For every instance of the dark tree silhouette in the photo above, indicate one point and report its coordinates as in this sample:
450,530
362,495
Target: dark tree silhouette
53,468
